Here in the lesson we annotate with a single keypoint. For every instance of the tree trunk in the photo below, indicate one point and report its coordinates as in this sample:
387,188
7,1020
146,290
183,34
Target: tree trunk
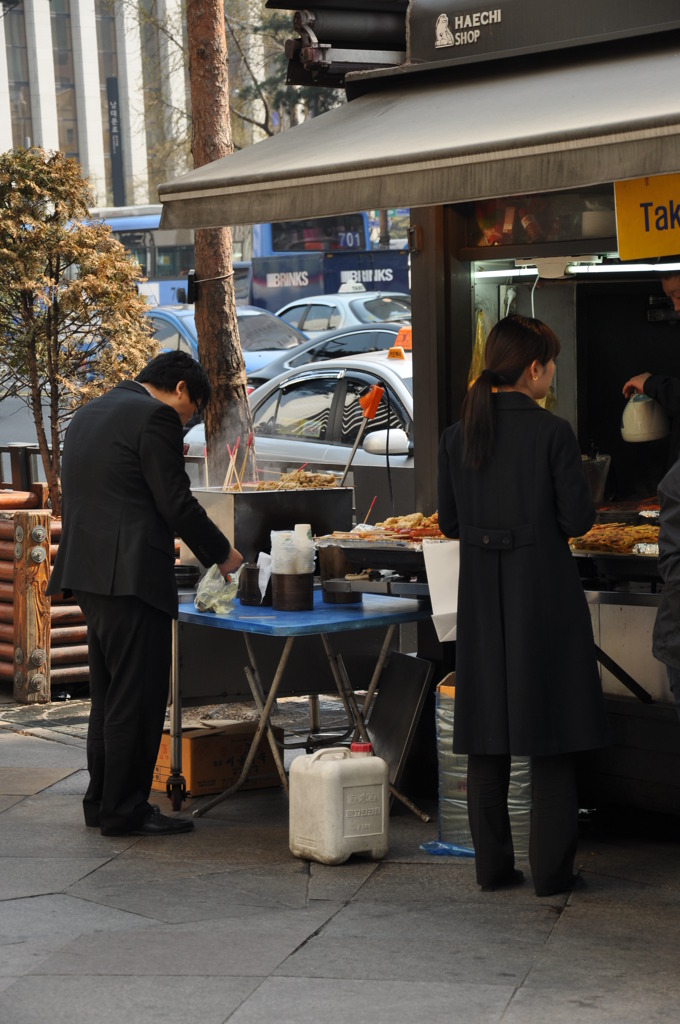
227,418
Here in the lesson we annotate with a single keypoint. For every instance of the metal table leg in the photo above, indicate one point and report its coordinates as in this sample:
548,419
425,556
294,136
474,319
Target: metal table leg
253,677
259,732
343,684
176,786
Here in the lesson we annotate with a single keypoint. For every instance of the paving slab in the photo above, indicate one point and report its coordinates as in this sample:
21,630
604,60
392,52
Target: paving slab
239,944
28,781
31,930
339,882
30,752
8,801
308,1001
204,898
496,943
46,825
630,1002
611,943
164,1000
36,876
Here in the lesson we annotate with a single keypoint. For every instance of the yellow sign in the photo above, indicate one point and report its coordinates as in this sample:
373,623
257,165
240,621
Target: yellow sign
648,216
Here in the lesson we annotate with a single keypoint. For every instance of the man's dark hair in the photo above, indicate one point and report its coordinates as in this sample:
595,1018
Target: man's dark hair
169,368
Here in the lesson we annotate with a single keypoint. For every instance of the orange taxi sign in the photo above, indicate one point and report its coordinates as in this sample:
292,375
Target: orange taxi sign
404,339
648,216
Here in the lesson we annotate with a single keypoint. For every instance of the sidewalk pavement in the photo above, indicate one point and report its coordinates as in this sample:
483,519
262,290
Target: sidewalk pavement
224,924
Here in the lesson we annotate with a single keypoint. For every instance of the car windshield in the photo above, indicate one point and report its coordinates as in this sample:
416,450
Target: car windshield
261,330
384,307
348,344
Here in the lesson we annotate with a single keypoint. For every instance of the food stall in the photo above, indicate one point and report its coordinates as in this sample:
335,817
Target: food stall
507,138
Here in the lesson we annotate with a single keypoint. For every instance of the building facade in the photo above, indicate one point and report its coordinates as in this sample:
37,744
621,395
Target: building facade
103,82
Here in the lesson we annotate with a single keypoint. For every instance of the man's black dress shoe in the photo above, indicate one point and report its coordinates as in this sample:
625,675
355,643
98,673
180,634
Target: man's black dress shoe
515,877
158,824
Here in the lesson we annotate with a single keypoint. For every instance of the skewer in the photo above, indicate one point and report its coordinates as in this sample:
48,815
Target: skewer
232,465
245,459
205,460
370,509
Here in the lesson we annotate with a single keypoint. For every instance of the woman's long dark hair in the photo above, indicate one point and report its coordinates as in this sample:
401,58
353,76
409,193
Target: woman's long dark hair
512,345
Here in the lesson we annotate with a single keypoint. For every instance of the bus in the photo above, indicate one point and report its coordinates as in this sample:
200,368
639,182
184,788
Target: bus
290,259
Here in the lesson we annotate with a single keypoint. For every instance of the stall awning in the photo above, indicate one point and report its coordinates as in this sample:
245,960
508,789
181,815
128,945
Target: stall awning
465,134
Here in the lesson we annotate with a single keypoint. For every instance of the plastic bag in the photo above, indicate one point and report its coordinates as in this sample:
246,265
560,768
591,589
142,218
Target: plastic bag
440,849
293,551
215,593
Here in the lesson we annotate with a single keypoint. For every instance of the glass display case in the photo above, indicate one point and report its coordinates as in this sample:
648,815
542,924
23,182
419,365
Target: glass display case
542,224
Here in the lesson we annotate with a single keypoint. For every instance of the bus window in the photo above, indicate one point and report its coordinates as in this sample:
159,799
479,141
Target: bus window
174,261
347,231
135,243
242,278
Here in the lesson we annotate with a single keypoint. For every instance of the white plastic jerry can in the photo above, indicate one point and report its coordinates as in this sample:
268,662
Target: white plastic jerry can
339,804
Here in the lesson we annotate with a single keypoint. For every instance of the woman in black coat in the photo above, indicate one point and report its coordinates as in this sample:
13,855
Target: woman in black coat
512,488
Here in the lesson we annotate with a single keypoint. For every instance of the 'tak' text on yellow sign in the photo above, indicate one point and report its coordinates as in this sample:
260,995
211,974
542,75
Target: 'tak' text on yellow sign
648,216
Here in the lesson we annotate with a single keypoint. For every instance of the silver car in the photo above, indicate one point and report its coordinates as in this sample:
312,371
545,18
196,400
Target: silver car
311,416
325,312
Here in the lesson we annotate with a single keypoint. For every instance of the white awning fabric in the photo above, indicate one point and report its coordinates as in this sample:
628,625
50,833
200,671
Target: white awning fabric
422,140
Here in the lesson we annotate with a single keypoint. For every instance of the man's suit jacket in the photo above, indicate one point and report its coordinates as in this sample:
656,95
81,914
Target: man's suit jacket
125,496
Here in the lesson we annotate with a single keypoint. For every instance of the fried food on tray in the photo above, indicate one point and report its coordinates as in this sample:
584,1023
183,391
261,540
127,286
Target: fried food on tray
414,521
617,538
412,527
298,479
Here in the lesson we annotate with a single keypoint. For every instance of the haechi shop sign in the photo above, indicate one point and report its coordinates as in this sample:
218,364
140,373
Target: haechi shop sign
648,216
458,31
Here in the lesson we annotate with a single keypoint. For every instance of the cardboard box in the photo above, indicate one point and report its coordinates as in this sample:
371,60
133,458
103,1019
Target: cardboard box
212,758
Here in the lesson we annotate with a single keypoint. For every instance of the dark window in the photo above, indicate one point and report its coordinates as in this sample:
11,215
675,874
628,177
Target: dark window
108,68
169,337
320,234
17,76
301,411
174,260
294,315
62,54
352,413
321,317
384,307
260,331
351,344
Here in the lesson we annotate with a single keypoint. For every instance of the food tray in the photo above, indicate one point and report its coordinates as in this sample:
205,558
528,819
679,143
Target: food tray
617,566
401,556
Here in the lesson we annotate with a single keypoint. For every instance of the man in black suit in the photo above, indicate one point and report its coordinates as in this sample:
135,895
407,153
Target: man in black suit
125,496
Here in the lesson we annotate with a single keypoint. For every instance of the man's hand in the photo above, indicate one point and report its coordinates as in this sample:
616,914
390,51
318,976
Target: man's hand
636,385
232,563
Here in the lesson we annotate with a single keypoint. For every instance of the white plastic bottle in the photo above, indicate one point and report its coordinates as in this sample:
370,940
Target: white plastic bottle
339,804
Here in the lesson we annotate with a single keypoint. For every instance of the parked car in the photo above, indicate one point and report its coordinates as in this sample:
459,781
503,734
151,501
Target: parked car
347,341
326,312
263,335
310,416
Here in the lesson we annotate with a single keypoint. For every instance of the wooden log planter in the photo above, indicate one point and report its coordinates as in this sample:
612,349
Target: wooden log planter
43,640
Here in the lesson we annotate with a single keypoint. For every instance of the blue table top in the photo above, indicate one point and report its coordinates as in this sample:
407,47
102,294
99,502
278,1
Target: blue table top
372,610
